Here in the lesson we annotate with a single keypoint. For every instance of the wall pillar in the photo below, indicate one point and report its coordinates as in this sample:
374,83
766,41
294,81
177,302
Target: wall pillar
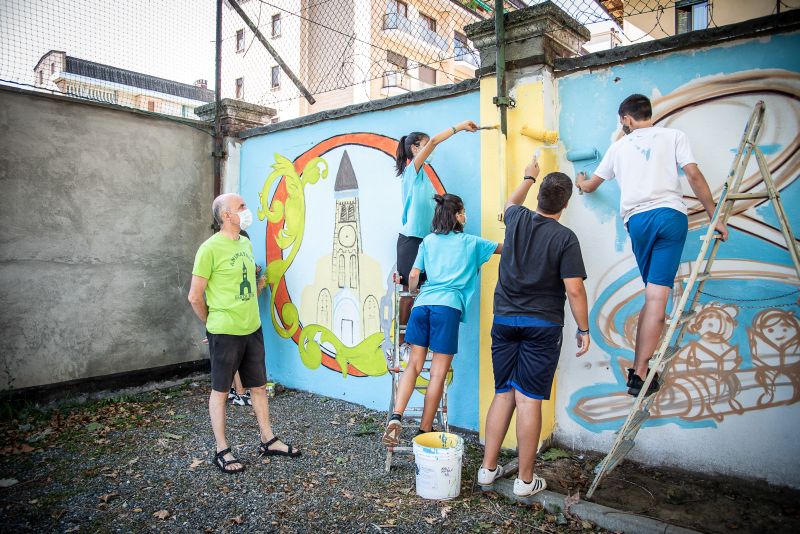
236,116
535,37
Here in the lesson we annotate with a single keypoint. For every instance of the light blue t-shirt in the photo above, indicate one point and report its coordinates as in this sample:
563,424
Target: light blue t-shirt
418,203
451,262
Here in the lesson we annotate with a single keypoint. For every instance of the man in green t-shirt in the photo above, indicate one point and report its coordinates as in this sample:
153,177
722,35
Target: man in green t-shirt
224,270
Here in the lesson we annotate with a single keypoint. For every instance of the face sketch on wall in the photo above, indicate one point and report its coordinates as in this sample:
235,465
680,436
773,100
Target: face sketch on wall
337,304
734,358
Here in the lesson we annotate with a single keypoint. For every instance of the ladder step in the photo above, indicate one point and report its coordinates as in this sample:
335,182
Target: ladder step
746,196
613,460
685,317
670,353
636,423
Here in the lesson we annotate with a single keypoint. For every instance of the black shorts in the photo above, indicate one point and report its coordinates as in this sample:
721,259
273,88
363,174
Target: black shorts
407,248
525,358
237,353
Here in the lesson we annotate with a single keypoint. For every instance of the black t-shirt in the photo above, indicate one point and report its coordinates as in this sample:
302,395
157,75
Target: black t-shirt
538,253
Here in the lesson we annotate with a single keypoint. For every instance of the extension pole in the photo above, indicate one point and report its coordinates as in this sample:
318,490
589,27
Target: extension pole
501,101
295,80
218,149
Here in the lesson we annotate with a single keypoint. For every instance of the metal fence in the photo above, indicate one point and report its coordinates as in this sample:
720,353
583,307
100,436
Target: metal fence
159,56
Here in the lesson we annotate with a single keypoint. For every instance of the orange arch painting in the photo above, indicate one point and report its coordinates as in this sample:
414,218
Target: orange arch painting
382,143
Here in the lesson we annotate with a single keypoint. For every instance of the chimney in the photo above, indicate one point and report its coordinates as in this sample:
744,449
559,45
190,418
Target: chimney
203,84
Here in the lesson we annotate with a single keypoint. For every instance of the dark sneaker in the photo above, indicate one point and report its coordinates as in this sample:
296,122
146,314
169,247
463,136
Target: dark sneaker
231,394
241,400
635,384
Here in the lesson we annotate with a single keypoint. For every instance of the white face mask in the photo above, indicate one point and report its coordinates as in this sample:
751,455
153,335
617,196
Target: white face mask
245,218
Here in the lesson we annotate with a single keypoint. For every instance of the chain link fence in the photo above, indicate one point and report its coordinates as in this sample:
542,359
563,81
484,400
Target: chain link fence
159,56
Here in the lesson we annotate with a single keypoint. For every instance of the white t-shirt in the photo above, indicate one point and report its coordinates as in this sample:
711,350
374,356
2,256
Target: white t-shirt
645,163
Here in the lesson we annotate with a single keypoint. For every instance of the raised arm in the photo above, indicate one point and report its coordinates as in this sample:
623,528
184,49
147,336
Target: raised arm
701,190
521,192
425,151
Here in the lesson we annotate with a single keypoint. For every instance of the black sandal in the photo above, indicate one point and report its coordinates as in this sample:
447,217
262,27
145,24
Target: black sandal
222,463
266,451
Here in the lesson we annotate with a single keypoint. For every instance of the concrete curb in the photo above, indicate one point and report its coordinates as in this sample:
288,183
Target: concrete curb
602,516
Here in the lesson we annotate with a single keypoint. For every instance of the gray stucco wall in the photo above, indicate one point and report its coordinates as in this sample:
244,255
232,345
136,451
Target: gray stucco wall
102,212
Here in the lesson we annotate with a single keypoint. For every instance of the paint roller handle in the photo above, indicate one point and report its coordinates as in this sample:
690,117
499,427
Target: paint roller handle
579,179
469,126
532,168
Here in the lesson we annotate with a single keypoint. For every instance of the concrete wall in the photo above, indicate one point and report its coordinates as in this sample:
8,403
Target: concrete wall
730,403
102,213
319,336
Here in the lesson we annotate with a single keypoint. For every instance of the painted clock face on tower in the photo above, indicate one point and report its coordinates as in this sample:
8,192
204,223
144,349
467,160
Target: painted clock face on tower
347,236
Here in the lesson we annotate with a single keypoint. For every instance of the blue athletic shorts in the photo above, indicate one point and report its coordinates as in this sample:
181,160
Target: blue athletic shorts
658,237
435,327
525,353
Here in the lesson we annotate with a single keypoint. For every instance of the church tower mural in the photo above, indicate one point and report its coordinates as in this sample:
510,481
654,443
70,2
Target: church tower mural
347,283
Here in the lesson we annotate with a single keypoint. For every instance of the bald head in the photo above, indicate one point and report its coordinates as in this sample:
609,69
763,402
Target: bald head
226,203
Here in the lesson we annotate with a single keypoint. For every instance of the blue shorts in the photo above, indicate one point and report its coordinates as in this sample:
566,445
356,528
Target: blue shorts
657,237
525,357
435,327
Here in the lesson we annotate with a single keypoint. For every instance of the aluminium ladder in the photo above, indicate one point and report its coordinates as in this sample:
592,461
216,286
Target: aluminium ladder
701,272
395,367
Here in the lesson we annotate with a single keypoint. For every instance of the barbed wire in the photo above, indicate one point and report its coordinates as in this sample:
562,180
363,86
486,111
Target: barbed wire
159,57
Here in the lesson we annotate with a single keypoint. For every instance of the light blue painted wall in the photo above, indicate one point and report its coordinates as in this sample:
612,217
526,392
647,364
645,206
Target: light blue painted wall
456,161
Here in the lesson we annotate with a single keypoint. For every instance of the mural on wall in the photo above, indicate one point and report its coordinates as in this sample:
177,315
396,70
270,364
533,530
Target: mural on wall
344,319
742,351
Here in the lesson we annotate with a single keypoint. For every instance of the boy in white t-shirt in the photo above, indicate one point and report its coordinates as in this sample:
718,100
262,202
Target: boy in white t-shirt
645,163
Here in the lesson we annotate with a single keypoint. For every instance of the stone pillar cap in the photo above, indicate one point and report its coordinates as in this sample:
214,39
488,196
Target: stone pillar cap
236,115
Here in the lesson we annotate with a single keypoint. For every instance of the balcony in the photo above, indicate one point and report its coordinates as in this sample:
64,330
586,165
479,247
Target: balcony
396,22
465,54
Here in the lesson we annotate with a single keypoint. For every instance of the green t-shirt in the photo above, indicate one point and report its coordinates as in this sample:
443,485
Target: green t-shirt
231,292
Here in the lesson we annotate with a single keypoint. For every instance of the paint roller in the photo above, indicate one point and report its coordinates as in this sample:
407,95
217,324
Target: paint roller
549,137
589,155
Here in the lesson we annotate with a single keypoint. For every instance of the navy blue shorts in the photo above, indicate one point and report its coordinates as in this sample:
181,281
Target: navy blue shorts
435,327
657,237
525,357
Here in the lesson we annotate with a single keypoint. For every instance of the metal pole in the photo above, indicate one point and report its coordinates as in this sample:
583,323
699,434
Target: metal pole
295,80
218,112
501,101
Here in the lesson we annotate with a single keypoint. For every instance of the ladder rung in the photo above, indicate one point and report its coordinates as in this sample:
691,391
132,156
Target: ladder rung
670,353
703,277
636,423
746,196
684,317
715,235
613,461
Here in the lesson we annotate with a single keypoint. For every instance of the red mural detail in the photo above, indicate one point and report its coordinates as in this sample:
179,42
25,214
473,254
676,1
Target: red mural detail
388,146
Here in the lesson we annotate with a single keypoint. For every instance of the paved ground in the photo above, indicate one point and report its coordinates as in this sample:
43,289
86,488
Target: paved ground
141,464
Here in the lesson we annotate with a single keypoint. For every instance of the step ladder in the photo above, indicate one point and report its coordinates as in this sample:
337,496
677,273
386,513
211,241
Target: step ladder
395,367
701,272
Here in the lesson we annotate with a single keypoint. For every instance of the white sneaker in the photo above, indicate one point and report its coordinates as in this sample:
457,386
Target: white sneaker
486,477
521,489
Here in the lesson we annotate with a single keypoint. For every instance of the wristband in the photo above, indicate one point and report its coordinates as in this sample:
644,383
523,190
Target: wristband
583,332
454,129
531,178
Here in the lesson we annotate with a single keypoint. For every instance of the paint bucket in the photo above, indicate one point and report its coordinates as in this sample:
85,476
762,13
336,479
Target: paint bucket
437,456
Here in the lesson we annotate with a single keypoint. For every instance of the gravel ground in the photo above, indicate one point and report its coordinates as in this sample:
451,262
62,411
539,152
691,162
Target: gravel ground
140,463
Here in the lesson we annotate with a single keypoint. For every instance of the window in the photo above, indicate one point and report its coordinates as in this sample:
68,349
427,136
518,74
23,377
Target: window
52,68
240,40
427,75
276,25
396,59
185,111
41,77
276,77
239,88
401,8
691,15
151,105
428,23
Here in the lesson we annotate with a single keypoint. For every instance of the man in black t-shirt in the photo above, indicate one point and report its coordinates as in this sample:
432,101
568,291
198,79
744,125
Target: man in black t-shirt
540,267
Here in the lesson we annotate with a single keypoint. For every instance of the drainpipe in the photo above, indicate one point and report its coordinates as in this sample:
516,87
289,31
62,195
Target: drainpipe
218,148
502,101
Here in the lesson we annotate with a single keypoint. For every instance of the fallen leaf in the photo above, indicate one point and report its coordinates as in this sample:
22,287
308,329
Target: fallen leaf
586,525
266,461
33,501
161,514
108,496
430,520
25,448
93,427
137,510
8,482
236,520
196,462
555,454
444,511
172,436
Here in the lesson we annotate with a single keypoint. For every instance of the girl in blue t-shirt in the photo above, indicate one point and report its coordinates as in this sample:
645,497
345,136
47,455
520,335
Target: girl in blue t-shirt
451,260
413,151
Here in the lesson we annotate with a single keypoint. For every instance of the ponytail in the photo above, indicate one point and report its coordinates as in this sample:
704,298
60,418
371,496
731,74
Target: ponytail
444,218
404,153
